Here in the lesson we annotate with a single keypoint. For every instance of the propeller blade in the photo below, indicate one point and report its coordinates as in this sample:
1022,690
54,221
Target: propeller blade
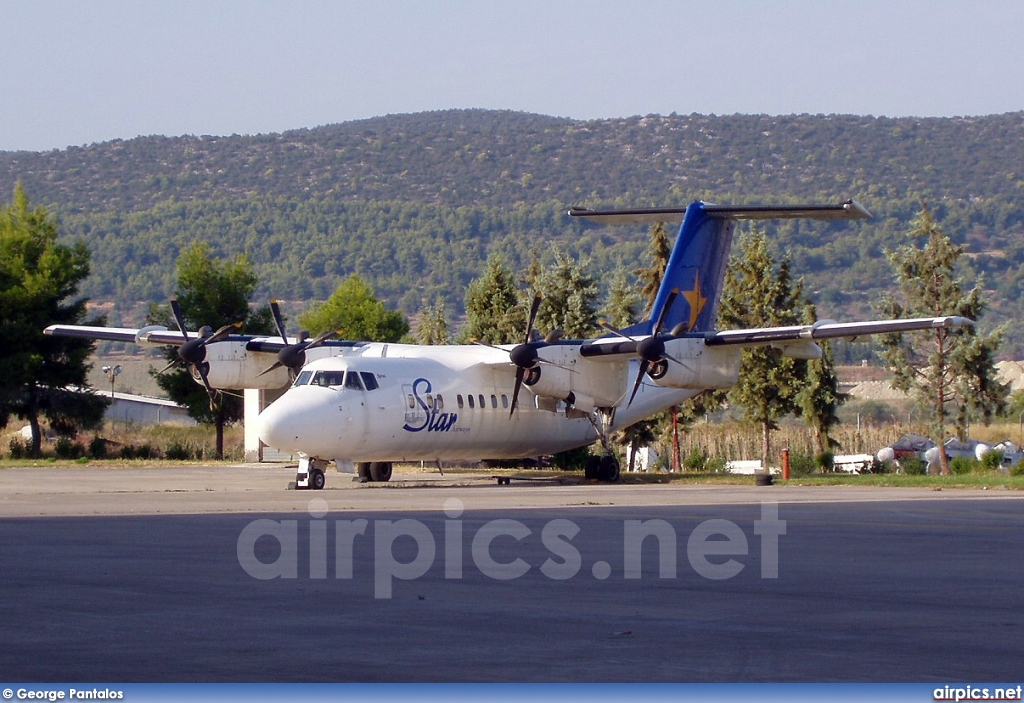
534,307
275,365
222,332
520,374
644,365
664,310
323,337
275,311
603,324
179,316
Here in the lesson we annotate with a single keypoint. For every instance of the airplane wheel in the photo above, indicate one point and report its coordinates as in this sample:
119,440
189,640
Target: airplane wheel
317,480
592,469
609,469
380,471
363,469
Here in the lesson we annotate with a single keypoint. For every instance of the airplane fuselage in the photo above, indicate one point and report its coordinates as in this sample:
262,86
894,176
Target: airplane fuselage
391,402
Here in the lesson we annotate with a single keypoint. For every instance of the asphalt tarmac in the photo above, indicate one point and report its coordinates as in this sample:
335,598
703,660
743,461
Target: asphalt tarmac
220,574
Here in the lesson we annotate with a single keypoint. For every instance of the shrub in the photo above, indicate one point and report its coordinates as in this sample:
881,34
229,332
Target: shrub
696,461
19,448
571,459
826,461
961,465
67,448
913,466
98,448
801,464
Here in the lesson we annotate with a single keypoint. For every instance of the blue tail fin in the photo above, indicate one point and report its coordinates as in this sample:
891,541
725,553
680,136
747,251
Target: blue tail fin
700,256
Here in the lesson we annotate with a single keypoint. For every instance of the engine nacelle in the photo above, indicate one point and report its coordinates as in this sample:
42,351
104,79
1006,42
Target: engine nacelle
702,367
578,381
232,367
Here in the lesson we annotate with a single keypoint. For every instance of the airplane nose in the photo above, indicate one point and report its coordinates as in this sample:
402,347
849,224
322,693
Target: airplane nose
285,424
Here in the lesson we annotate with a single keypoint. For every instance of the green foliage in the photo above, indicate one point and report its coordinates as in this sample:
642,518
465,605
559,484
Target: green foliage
571,459
493,312
67,448
212,292
961,465
801,464
759,293
569,293
913,466
432,325
38,276
97,448
355,311
951,370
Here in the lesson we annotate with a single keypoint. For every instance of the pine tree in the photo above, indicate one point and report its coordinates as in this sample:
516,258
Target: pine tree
758,293
494,313
820,399
40,374
432,326
658,251
949,370
569,297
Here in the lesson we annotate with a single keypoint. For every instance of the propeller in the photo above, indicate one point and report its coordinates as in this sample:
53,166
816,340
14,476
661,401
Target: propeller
192,353
293,356
651,350
524,356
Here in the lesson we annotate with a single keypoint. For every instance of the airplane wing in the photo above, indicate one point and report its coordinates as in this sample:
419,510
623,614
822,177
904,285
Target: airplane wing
153,336
828,329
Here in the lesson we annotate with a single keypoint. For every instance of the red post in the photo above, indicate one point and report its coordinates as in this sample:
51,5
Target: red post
785,464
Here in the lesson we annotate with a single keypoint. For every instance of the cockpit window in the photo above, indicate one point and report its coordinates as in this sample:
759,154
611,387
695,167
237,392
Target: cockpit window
369,380
328,378
352,380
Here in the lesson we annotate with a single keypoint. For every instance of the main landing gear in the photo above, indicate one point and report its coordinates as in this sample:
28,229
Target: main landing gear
311,476
602,468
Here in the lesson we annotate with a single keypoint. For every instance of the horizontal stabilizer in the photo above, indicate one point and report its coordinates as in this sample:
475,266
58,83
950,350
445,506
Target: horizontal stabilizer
849,210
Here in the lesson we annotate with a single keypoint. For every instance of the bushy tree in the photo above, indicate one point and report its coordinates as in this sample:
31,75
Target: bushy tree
951,370
355,311
214,293
42,376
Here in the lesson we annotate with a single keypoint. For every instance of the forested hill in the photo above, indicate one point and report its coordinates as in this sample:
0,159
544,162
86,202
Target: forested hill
478,157
415,203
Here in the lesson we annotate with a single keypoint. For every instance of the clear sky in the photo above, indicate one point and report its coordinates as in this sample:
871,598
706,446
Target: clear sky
73,73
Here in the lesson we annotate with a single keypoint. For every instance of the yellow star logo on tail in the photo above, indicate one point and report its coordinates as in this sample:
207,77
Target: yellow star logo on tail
696,300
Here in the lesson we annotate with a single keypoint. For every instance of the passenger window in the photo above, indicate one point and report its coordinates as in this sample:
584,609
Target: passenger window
369,380
411,401
494,402
430,402
440,402
483,403
470,402
458,399
504,401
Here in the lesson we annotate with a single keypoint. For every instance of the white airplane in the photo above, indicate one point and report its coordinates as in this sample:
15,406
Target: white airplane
365,405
